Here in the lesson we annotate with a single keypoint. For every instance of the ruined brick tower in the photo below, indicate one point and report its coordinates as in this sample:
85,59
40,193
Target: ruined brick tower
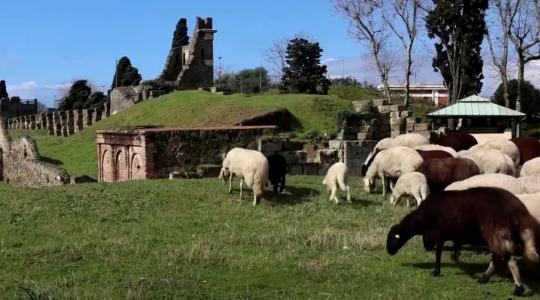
190,63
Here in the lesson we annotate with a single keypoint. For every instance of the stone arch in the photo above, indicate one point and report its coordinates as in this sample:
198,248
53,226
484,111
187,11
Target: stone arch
121,166
137,170
107,172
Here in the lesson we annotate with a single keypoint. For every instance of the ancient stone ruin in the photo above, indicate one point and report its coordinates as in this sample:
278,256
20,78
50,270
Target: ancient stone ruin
189,65
22,165
150,153
60,123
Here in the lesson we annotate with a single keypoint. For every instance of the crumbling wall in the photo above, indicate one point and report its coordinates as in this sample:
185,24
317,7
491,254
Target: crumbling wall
147,153
22,165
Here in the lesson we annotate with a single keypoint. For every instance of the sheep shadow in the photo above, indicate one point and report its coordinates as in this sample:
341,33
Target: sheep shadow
51,160
293,195
474,270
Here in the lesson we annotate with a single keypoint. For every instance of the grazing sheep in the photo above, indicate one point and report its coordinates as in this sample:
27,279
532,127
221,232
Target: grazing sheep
529,148
250,166
530,183
456,140
433,154
532,203
506,182
431,147
505,146
410,140
476,216
531,167
413,184
490,161
337,177
440,173
277,172
391,163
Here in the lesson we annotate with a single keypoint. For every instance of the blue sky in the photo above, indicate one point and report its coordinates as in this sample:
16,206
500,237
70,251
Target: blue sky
47,44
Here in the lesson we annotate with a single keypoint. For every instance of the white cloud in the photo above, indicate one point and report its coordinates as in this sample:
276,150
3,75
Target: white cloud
328,60
45,93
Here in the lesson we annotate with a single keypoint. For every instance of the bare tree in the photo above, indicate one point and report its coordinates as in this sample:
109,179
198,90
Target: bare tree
409,12
525,35
498,35
368,26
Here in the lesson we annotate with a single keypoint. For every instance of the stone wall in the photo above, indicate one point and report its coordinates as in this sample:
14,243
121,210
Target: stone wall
22,165
148,153
60,123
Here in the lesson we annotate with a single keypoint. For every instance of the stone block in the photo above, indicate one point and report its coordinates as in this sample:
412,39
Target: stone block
328,156
365,129
389,108
360,106
364,136
311,152
208,170
355,154
291,145
295,157
395,115
421,126
395,133
406,114
411,120
380,102
270,147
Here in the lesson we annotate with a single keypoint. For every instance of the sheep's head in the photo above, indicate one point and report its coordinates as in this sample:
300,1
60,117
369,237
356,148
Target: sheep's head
224,173
396,239
368,184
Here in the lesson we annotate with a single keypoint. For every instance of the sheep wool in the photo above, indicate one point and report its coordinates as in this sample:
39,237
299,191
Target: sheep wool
433,147
531,167
506,182
505,146
337,177
413,184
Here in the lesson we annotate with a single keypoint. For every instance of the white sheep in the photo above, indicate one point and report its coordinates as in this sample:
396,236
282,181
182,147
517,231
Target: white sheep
502,181
490,161
530,167
505,146
532,203
531,183
337,177
391,163
250,166
433,147
413,184
410,140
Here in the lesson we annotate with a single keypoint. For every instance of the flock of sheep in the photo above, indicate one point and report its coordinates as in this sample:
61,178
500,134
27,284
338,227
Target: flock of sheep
466,193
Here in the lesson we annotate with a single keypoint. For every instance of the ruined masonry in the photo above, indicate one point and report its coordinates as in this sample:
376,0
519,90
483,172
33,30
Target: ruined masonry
189,65
60,123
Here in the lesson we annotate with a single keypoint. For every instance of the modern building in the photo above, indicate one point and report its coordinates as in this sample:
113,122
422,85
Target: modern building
479,116
434,93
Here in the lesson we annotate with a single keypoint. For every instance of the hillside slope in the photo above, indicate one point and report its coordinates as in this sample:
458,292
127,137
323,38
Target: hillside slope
77,153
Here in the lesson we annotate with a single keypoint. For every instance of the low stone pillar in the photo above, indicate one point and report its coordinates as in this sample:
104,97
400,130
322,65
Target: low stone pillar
57,123
106,111
77,120
32,122
43,121
70,123
49,123
96,116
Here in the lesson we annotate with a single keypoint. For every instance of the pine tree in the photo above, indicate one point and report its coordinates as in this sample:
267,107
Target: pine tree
304,72
126,74
459,27
180,37
3,90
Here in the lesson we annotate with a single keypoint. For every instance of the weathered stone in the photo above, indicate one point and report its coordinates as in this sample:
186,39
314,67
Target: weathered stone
380,102
208,170
406,114
360,106
421,126
395,133
355,154
295,157
389,108
364,136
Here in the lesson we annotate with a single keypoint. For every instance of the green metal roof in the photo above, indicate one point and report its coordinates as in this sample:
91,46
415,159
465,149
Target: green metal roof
475,106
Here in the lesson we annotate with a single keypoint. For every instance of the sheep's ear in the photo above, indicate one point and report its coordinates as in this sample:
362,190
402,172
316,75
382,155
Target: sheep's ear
396,236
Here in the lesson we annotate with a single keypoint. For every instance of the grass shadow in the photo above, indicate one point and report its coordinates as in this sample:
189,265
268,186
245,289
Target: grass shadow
51,160
295,195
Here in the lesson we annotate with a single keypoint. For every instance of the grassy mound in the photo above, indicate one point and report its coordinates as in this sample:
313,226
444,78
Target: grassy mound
190,239
77,153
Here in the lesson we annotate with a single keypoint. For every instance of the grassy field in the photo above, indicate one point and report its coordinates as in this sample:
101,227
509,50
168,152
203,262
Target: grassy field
77,153
191,239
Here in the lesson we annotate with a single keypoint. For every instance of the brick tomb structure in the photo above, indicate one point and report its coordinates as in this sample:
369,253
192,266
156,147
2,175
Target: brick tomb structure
151,153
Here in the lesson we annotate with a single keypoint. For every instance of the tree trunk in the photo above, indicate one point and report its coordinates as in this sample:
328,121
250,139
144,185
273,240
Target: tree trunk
521,75
382,74
505,90
408,76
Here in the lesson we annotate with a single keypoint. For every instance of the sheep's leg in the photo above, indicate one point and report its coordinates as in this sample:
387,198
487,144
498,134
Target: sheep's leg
383,185
438,253
241,184
348,194
512,265
230,183
488,273
254,199
333,195
282,186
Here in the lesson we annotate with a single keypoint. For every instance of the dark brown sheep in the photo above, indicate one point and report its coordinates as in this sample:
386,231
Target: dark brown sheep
433,154
455,140
277,172
479,216
529,148
442,172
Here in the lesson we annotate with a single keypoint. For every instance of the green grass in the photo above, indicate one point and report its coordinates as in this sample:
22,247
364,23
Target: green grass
353,93
77,153
191,239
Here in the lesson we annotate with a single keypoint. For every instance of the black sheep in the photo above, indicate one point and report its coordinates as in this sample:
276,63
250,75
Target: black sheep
277,172
478,216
